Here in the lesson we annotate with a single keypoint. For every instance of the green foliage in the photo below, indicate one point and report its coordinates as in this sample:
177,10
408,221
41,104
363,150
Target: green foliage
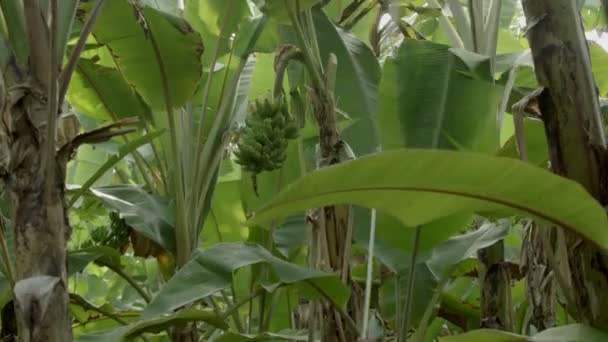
426,100
437,184
211,270
128,333
413,77
146,213
570,333
132,33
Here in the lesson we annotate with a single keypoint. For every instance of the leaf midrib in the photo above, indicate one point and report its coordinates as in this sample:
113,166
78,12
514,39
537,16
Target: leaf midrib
486,198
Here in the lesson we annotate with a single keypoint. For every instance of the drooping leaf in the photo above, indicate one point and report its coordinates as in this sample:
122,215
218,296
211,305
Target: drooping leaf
460,247
267,336
182,316
419,186
567,333
78,260
484,335
132,33
127,333
571,333
210,270
146,213
102,93
99,326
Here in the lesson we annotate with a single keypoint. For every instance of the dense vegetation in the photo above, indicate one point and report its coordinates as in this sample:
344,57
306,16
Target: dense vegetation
303,170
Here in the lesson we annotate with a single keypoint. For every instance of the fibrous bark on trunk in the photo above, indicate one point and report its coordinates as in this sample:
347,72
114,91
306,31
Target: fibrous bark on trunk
33,174
38,209
540,279
577,144
495,283
332,233
39,219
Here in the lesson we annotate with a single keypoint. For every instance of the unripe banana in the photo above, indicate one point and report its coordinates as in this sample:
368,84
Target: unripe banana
264,140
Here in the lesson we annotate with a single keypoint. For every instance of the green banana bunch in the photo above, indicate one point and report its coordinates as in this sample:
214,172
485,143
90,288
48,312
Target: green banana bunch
115,236
264,139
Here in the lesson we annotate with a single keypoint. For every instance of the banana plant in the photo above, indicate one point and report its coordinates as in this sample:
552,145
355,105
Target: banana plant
34,77
186,160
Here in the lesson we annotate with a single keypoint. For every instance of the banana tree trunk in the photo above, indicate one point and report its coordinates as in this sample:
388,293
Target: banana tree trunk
495,283
540,281
577,144
39,219
33,173
333,233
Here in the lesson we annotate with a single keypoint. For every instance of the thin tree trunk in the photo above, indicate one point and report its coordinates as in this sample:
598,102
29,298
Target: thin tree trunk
577,145
495,283
39,220
540,280
334,229
33,174
538,243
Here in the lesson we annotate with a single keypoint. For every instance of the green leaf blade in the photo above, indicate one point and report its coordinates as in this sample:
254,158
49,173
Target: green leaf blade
419,186
211,270
130,33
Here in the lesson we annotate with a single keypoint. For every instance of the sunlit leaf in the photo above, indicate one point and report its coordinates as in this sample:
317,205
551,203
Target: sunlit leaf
132,34
419,186
429,98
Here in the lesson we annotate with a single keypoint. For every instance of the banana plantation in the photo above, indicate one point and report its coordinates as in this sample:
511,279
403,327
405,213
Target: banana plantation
303,170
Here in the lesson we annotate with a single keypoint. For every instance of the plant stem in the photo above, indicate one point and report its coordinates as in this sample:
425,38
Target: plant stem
281,67
410,285
38,42
88,306
369,276
232,309
425,321
398,304
351,323
182,231
200,141
129,280
70,67
316,78
235,315
48,151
